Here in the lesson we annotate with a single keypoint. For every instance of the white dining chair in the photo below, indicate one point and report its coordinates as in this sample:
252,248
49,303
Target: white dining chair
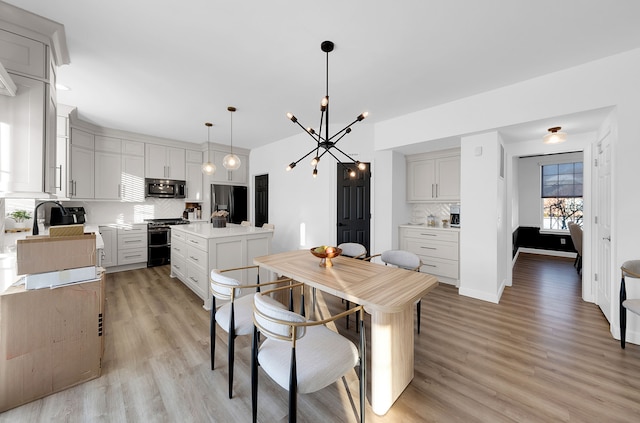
317,355
235,316
629,269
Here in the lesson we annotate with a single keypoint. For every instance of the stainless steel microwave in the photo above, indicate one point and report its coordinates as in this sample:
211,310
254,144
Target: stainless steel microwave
165,188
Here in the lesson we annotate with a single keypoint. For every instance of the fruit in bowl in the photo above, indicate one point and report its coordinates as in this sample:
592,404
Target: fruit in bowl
326,253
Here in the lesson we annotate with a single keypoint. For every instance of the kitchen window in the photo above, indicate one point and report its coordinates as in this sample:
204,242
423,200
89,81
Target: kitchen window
561,195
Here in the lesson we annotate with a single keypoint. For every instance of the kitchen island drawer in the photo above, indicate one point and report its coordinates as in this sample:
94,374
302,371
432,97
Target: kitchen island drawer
196,256
178,236
178,247
196,241
197,280
178,266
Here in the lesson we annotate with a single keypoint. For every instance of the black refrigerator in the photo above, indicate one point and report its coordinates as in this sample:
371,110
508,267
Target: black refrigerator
232,198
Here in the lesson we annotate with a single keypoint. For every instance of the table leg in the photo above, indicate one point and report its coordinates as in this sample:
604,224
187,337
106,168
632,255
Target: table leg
392,356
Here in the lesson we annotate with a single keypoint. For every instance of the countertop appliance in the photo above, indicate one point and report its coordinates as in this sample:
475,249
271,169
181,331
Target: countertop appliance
454,218
159,240
74,216
231,198
165,188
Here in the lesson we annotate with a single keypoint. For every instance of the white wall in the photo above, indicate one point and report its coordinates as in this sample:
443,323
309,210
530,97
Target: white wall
528,177
480,184
296,199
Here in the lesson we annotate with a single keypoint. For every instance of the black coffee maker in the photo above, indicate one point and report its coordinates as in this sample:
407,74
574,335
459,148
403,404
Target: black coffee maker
454,215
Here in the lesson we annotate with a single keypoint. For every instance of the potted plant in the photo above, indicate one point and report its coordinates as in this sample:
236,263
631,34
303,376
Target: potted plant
20,216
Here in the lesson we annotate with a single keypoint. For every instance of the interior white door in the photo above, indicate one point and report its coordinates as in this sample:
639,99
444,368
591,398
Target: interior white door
603,227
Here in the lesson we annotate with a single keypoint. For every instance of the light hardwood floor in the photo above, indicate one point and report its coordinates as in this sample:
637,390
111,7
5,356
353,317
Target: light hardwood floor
541,355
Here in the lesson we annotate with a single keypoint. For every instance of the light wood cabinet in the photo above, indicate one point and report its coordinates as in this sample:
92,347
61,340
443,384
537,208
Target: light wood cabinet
433,177
163,162
438,249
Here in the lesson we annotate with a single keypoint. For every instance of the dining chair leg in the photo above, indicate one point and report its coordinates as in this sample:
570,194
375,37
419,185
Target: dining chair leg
212,329
231,348
623,312
418,307
254,375
346,307
293,388
363,370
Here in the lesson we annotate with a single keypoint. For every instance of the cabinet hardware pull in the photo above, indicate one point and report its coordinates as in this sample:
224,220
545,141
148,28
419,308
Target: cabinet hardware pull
429,234
429,248
60,170
135,255
193,279
193,258
430,265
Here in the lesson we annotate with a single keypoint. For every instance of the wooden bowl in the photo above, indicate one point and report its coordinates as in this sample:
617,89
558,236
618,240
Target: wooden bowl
326,258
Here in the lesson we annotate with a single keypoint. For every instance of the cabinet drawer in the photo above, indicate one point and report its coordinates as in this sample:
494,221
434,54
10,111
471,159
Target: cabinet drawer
437,267
430,234
177,236
139,228
196,256
178,266
196,241
178,247
127,241
197,280
133,255
445,250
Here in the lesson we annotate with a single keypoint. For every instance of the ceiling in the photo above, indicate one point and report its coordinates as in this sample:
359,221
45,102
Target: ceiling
156,68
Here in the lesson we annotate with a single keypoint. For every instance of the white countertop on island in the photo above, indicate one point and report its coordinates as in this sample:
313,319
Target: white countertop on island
206,230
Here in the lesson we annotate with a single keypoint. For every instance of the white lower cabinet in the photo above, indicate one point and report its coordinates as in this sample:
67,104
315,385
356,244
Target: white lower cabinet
132,244
193,257
438,249
110,250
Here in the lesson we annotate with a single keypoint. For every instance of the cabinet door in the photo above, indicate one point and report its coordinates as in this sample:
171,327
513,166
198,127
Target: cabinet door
193,156
421,180
194,182
155,161
82,139
23,55
133,148
448,172
62,159
110,251
224,175
50,142
107,176
132,178
175,163
23,116
108,144
81,175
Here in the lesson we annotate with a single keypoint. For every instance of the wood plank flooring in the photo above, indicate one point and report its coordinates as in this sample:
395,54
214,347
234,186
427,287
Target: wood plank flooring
541,355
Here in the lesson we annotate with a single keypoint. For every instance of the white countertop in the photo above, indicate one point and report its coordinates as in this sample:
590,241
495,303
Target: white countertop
425,226
206,230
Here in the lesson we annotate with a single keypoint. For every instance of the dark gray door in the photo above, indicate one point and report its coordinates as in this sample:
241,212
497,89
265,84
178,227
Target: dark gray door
354,205
262,199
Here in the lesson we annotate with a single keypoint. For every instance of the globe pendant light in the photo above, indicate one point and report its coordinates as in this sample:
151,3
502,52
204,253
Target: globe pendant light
208,168
231,161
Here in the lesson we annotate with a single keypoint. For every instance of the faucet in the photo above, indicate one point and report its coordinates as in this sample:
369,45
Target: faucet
34,230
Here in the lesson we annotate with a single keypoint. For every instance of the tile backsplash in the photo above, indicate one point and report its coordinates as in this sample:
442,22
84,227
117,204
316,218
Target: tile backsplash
420,212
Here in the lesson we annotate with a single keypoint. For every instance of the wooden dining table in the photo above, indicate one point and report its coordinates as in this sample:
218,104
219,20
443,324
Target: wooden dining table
387,293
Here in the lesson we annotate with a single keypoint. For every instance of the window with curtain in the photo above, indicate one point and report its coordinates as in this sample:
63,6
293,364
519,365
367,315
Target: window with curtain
561,195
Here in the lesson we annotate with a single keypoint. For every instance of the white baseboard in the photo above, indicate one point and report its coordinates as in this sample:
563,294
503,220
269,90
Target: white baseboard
545,252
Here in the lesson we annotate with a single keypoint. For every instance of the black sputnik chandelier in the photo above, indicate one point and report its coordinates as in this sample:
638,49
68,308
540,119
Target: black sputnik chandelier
325,144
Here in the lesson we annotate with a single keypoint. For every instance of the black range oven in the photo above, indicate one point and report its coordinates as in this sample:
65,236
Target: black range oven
159,240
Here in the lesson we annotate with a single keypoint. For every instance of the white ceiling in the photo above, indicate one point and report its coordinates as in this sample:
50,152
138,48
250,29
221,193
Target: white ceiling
164,68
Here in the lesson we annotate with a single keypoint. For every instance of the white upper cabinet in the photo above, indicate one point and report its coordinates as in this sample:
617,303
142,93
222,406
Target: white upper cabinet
223,175
194,175
163,162
433,177
29,135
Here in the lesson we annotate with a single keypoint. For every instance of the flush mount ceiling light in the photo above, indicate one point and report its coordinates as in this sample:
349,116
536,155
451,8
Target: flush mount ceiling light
554,136
231,161
324,144
208,168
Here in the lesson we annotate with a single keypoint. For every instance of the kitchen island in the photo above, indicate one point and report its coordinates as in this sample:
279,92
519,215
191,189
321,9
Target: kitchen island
198,248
